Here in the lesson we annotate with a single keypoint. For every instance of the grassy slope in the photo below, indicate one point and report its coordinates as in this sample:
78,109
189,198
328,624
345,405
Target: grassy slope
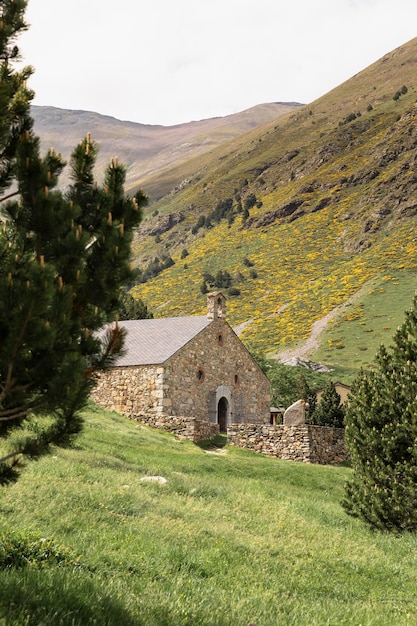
356,334
365,170
230,540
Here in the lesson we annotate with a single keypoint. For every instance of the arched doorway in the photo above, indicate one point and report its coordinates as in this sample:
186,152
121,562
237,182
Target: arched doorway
222,411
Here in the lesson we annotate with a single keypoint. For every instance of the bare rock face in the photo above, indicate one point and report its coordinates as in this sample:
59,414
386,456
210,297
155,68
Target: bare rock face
295,414
296,361
161,224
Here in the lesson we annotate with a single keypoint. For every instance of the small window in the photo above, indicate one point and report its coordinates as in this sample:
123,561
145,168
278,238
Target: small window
220,339
236,379
200,375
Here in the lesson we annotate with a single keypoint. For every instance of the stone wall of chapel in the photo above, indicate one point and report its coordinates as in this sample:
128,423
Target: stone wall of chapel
214,358
133,391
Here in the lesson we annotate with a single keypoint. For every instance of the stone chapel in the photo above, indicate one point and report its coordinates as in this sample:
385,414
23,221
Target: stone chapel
189,370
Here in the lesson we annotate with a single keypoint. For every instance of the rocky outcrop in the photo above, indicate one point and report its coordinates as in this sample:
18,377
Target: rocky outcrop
284,211
160,224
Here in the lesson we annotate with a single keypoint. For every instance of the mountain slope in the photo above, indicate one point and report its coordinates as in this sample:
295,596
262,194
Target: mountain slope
143,148
331,194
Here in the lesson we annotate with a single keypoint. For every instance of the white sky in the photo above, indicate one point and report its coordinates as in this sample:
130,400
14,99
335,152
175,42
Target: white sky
173,61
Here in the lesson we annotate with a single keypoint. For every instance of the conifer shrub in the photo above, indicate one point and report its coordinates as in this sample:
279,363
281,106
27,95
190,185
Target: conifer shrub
133,308
222,280
248,262
249,201
154,268
309,396
329,411
381,436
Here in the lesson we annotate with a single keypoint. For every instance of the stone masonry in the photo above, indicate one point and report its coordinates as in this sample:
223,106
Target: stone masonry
133,391
306,443
211,378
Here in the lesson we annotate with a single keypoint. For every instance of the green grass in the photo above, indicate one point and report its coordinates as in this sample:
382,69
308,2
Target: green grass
355,336
232,539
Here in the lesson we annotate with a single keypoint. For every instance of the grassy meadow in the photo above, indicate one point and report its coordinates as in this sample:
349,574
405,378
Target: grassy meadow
233,538
354,336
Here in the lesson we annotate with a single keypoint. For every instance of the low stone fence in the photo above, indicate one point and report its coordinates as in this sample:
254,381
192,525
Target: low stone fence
306,443
327,444
187,427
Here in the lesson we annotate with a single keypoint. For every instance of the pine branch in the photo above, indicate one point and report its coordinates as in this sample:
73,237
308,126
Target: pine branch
12,455
10,195
18,413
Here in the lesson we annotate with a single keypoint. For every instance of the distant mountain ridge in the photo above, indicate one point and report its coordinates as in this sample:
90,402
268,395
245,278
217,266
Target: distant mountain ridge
145,149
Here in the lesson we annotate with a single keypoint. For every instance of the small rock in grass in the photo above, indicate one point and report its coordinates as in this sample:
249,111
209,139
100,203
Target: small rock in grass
154,479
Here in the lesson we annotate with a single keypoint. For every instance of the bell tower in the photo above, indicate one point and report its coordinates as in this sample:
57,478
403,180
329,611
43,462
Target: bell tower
216,305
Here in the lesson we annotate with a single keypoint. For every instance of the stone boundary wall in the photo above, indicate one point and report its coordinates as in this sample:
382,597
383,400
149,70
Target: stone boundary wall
306,443
183,426
327,444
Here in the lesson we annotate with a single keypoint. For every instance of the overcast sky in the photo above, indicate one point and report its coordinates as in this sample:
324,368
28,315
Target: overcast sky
173,61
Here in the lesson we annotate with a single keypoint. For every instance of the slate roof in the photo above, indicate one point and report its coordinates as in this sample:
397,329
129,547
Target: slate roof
153,341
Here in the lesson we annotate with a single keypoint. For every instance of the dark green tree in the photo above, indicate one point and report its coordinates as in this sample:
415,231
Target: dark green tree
309,395
132,308
64,259
249,201
329,411
15,98
223,280
289,384
381,435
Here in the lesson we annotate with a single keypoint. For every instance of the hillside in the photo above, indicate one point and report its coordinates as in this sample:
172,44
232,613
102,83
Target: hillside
302,213
144,149
232,538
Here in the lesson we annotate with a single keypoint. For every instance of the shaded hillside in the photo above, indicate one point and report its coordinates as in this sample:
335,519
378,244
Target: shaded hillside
145,149
300,212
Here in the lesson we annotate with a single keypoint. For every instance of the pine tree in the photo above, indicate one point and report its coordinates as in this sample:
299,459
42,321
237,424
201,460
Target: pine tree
64,259
133,309
329,411
381,435
14,96
309,396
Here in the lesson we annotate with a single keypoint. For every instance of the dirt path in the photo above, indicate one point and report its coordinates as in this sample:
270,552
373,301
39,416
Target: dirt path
313,341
